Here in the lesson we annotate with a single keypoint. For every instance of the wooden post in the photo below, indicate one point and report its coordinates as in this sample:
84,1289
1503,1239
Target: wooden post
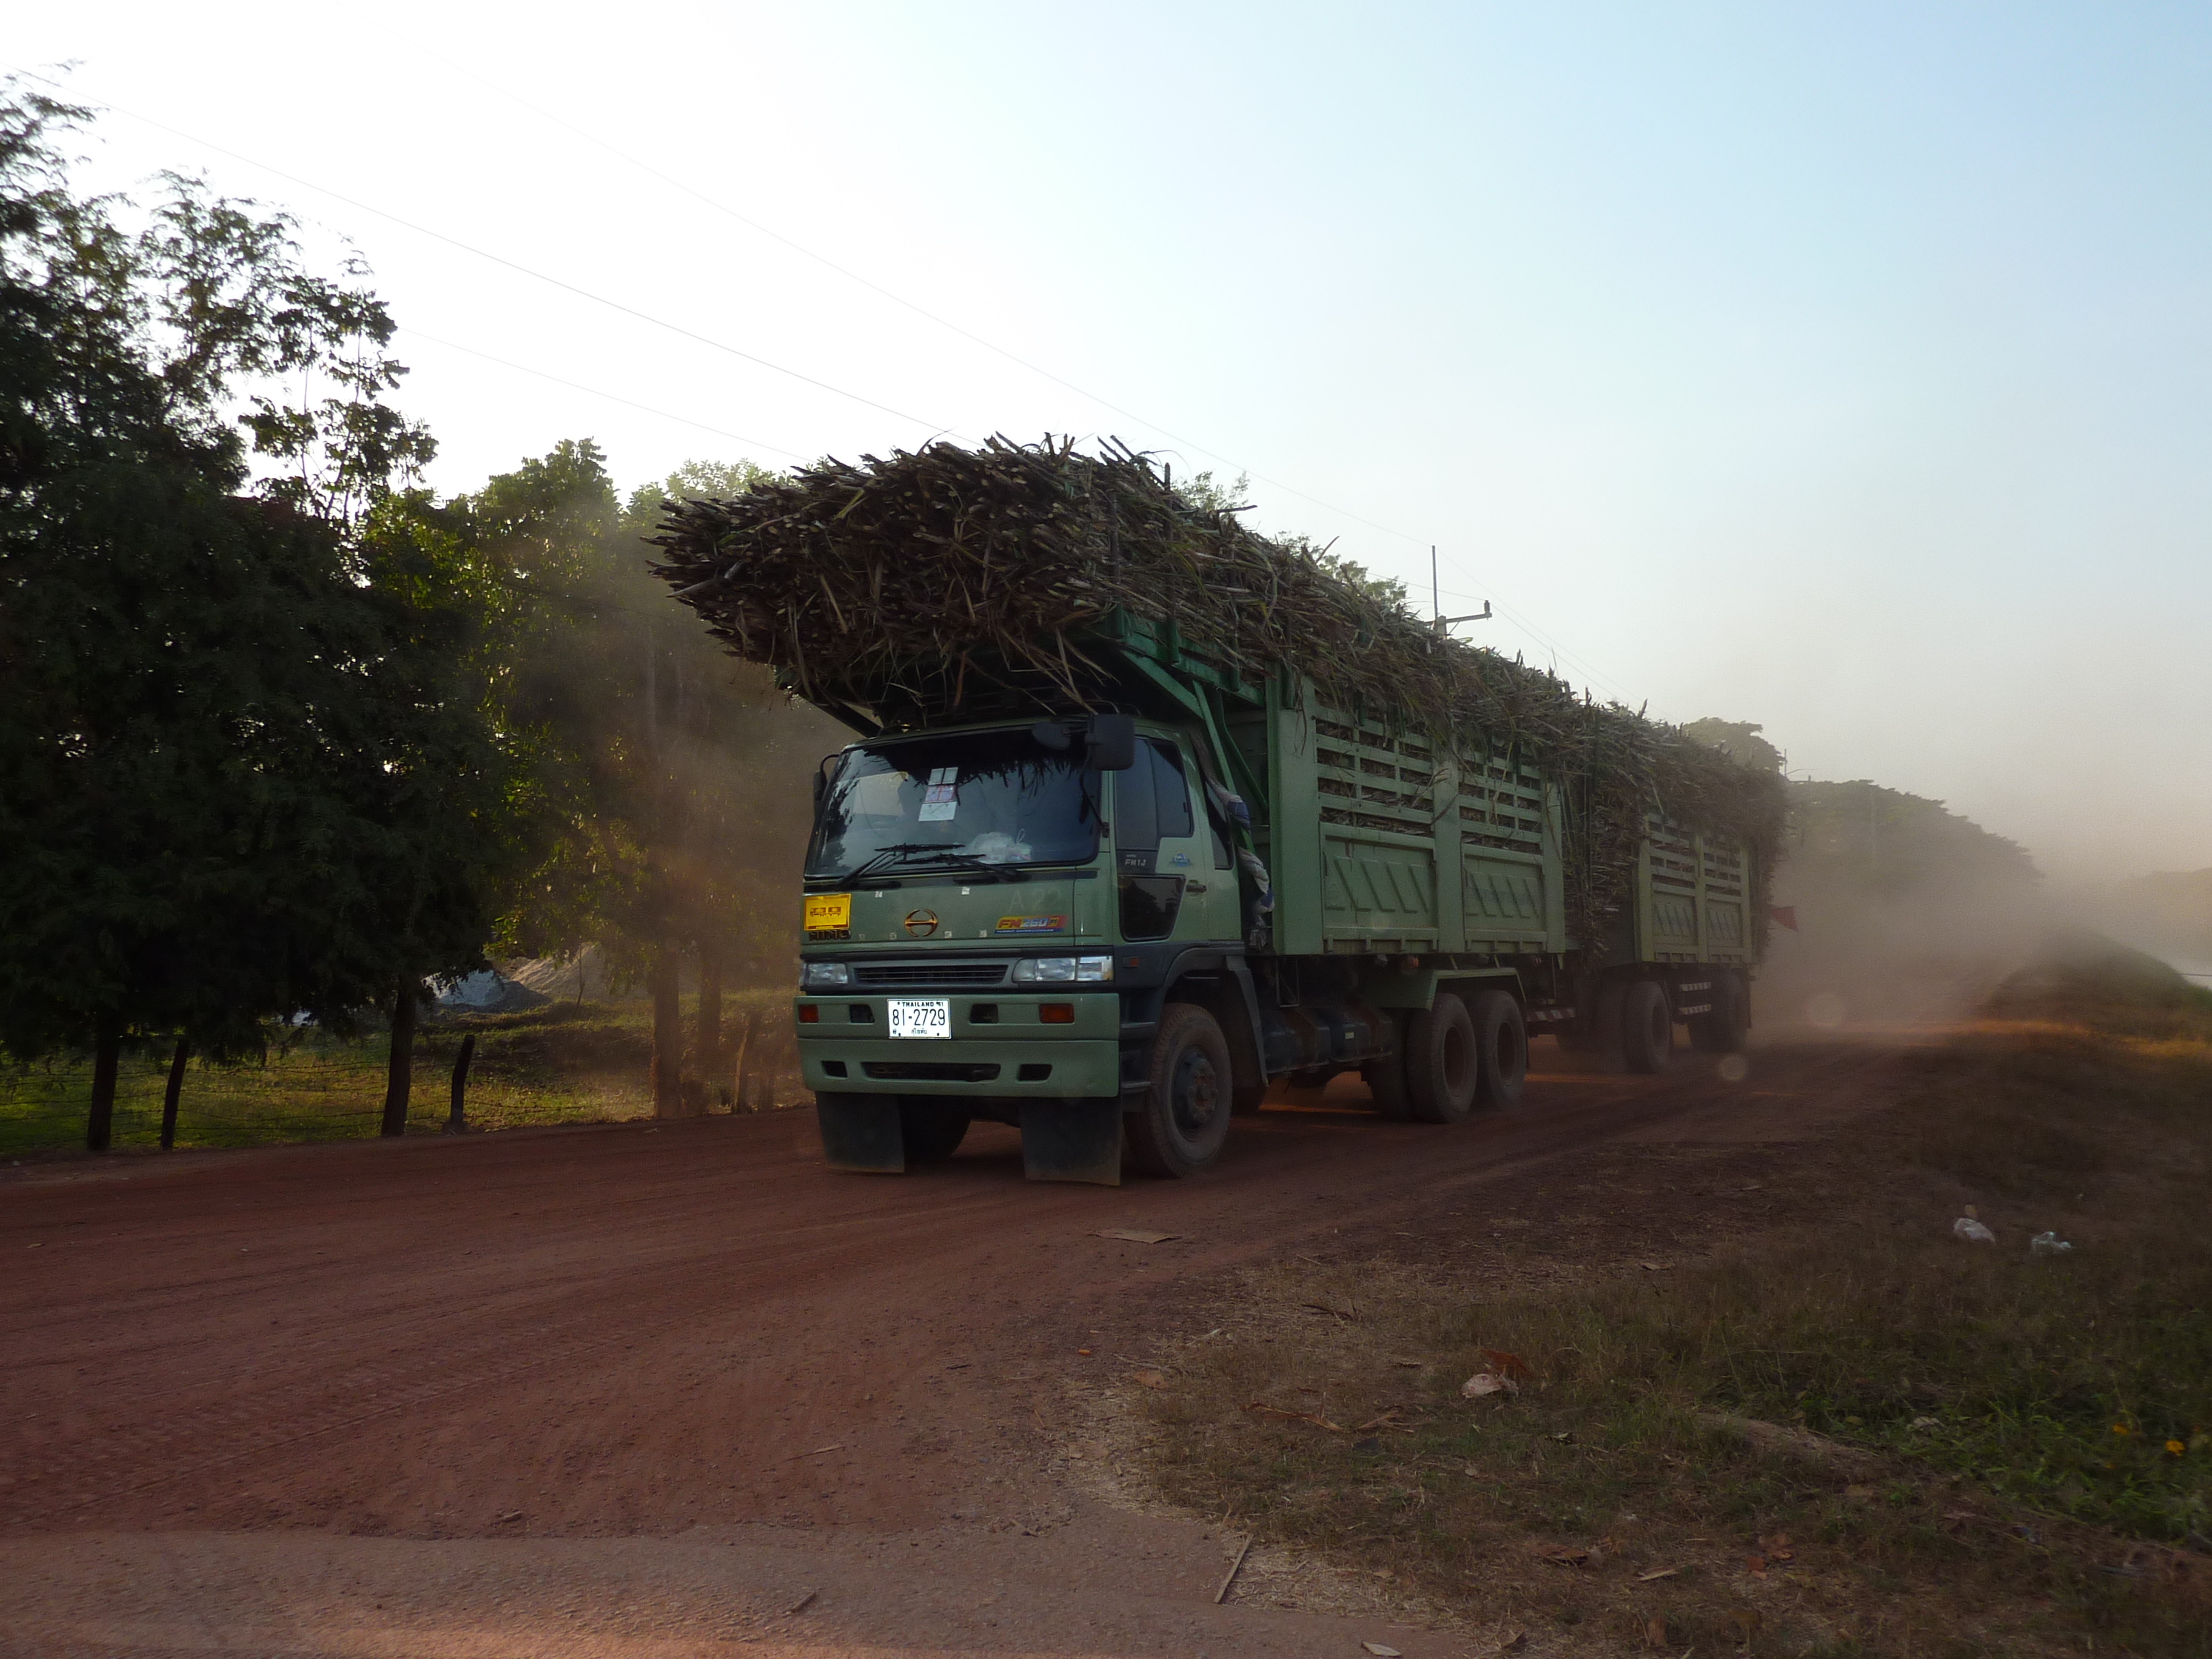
107,1055
399,1069
169,1095
456,1119
667,1034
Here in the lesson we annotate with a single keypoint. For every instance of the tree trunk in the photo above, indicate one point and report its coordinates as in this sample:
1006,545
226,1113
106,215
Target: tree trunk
107,1055
748,1051
169,1095
707,1051
457,1122
399,1070
667,1036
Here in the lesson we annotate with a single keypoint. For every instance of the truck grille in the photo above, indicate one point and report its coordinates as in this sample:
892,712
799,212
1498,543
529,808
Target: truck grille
903,974
930,1071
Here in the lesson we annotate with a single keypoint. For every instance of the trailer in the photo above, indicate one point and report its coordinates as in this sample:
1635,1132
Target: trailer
1112,910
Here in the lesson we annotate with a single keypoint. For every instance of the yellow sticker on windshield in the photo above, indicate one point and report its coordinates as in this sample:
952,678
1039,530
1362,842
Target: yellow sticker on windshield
829,913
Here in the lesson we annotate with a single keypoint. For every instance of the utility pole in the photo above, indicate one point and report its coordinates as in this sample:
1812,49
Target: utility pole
1435,601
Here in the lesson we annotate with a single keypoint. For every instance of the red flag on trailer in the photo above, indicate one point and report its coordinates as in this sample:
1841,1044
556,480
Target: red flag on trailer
1784,914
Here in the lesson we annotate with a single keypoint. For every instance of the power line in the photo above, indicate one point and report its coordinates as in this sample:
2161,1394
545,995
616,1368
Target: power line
1504,611
1558,650
873,286
900,300
577,385
511,264
755,443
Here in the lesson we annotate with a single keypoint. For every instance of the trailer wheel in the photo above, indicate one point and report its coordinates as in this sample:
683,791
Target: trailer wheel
1442,1071
1385,1075
1501,1046
1184,1120
1647,1027
1724,1031
932,1129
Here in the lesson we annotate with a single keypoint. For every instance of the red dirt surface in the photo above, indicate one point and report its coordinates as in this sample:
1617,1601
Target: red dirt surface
620,1389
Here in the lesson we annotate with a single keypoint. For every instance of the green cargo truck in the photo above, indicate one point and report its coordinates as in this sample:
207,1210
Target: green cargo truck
1111,925
1125,925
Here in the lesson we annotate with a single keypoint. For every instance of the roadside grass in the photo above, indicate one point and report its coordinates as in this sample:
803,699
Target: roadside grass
564,1062
1857,1435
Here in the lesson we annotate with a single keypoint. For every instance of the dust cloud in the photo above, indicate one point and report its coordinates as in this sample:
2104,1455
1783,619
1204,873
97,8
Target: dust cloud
1892,909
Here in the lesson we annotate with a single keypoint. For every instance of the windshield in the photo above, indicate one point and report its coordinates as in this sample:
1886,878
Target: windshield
974,798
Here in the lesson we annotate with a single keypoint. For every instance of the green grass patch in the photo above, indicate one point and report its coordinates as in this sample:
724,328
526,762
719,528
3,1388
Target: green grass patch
562,1063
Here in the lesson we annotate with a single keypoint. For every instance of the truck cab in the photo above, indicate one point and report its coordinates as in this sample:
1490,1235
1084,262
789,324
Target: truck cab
989,914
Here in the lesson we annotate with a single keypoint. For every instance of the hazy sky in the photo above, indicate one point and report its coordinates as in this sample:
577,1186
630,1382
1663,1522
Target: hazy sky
1844,368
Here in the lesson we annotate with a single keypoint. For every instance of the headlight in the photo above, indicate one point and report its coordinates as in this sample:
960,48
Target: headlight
823,975
1063,970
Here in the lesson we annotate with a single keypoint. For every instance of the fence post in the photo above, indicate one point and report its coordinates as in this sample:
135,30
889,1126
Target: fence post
456,1119
169,1095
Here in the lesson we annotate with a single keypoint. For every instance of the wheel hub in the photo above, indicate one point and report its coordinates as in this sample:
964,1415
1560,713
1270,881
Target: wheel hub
1197,1092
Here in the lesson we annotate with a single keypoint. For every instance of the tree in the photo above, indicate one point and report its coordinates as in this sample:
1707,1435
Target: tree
1738,738
246,766
651,743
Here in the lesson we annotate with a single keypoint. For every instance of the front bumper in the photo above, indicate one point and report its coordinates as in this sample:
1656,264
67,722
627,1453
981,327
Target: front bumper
1007,1051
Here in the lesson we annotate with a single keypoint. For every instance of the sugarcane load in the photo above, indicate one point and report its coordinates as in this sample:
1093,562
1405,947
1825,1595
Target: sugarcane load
1147,811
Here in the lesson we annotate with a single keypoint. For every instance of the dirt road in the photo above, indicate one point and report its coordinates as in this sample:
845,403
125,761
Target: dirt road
640,1388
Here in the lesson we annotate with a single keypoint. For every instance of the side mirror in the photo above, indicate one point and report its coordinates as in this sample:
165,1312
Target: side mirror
1111,742
822,779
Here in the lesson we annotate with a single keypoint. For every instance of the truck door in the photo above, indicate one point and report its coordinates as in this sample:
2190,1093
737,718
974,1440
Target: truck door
1156,842
1212,908
1173,865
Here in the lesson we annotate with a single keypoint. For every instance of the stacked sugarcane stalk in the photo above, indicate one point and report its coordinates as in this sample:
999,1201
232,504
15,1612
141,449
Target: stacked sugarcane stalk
948,578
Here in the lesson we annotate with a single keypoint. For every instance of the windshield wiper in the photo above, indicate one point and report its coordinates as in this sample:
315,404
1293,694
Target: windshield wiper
885,856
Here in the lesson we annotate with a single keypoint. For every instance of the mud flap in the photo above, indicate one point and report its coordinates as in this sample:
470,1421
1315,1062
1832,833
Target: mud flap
862,1133
1073,1140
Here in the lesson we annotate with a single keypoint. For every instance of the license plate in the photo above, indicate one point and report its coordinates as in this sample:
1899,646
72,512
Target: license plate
829,913
921,1017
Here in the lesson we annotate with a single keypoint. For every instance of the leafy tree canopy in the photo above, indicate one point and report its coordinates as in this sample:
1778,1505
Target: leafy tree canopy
248,764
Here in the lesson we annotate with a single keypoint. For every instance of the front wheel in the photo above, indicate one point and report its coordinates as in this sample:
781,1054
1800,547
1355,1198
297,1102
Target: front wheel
1184,1120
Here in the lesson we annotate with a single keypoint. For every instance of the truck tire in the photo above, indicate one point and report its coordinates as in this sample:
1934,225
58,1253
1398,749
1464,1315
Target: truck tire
1724,1031
1442,1068
1501,1046
1184,1120
1647,1027
932,1129
1385,1075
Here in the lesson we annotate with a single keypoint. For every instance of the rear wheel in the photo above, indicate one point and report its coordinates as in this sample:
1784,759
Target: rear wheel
1501,1046
1184,1120
1724,1031
1647,1027
1442,1070
932,1129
